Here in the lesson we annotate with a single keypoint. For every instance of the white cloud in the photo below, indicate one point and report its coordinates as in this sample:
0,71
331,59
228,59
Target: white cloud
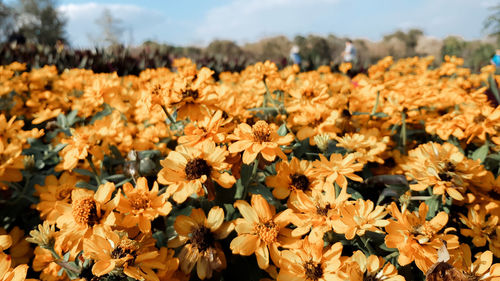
244,20
135,20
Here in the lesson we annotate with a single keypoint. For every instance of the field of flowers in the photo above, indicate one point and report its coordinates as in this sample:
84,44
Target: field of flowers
263,174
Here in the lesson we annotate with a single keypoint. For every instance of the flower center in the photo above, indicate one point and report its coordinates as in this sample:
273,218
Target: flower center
479,119
446,174
64,194
139,201
268,231
367,277
84,211
197,168
193,94
314,271
299,181
261,131
202,238
126,248
322,211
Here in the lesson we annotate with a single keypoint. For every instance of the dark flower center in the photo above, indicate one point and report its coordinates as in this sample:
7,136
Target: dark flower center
323,211
84,211
313,270
299,181
202,238
190,94
261,131
445,175
197,168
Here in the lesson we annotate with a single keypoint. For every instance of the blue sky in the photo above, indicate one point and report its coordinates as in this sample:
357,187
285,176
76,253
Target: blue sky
197,22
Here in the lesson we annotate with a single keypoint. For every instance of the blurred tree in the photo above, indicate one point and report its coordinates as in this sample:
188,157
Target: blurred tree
453,46
7,21
409,38
223,47
492,24
39,21
111,29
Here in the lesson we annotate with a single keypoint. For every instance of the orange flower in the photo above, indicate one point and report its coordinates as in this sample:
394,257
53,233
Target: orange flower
481,268
337,169
88,212
52,192
115,250
479,228
292,177
317,213
19,249
200,235
207,129
188,169
140,205
261,138
11,274
443,167
262,231
358,217
416,238
311,262
366,148
360,268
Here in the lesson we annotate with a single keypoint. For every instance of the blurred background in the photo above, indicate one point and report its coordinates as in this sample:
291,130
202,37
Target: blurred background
227,35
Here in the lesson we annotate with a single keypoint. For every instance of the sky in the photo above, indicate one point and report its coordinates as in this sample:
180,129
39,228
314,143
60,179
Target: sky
197,22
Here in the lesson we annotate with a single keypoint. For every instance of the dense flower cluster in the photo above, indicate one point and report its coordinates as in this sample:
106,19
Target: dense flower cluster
263,174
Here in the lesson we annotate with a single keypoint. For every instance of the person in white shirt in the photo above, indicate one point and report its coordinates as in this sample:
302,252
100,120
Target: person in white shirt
294,54
349,54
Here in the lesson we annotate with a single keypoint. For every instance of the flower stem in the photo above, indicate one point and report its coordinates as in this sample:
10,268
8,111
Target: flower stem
91,163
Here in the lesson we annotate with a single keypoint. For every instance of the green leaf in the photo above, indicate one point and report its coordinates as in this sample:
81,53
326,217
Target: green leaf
264,191
84,172
86,185
282,130
433,203
481,152
494,88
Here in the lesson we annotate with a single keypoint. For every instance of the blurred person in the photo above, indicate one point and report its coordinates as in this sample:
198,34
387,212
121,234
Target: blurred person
349,53
294,54
496,59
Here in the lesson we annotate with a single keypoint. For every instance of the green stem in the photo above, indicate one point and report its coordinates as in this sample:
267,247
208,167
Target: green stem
366,242
94,170
170,118
374,109
403,131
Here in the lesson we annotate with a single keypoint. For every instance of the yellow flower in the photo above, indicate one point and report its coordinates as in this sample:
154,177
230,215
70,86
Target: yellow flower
262,138
188,169
140,205
199,234
262,231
